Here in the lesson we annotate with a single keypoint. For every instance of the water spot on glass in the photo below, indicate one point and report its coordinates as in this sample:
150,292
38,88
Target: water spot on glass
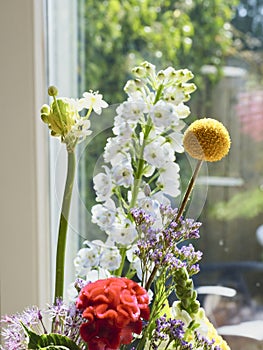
221,242
258,284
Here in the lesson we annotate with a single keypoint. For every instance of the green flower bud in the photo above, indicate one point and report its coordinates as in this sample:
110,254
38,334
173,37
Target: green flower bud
161,75
52,91
45,109
44,118
189,88
139,72
62,116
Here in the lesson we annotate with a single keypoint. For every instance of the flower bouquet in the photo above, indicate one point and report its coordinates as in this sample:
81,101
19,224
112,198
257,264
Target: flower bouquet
134,290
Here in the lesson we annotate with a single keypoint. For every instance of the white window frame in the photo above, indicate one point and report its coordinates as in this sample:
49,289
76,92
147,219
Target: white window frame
25,247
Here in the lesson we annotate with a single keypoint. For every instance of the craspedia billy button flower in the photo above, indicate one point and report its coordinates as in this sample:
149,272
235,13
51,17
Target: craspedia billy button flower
207,139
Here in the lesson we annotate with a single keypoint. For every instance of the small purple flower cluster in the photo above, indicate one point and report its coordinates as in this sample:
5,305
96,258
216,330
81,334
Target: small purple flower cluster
66,320
173,332
159,245
169,331
204,343
12,332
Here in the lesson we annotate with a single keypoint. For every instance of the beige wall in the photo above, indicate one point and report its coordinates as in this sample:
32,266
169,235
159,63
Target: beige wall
24,228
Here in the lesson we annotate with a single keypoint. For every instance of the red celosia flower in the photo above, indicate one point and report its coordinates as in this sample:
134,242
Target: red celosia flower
114,309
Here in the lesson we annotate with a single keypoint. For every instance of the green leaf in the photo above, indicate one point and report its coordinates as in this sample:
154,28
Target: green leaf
50,341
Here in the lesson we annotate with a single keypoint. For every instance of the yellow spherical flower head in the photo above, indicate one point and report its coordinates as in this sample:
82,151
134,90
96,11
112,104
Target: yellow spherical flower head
207,139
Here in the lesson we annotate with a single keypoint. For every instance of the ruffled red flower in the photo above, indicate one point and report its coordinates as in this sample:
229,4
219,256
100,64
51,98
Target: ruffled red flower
114,309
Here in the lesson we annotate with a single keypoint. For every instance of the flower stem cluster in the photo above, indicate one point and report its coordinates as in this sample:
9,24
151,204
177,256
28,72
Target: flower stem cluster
64,120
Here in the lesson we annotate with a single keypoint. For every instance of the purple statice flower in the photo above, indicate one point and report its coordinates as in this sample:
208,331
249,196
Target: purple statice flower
188,255
143,220
191,228
204,343
168,213
12,332
169,331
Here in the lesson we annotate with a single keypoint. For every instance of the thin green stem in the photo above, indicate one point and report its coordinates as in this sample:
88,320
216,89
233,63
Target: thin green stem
189,190
59,114
158,94
140,166
63,226
118,272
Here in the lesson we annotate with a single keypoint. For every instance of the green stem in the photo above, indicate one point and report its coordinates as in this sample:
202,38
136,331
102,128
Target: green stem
140,167
189,190
118,272
63,226
59,114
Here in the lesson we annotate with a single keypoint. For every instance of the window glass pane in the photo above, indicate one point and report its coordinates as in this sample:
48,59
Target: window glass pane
94,46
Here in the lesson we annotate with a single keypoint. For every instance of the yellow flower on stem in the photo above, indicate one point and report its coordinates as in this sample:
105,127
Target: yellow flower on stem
207,139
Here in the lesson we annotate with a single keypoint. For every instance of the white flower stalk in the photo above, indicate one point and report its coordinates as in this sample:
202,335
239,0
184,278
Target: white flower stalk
140,166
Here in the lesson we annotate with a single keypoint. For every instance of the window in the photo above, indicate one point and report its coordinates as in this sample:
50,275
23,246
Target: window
92,45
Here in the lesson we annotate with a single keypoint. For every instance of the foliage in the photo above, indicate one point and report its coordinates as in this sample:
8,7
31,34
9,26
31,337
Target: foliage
50,341
246,205
248,20
117,35
120,34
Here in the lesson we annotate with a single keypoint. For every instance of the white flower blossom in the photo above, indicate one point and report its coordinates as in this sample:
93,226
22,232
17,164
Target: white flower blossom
103,185
113,148
169,178
182,110
104,215
180,314
93,100
167,75
149,204
134,260
110,258
132,110
122,173
176,141
123,130
85,260
161,198
123,232
174,94
158,152
163,114
80,130
97,274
